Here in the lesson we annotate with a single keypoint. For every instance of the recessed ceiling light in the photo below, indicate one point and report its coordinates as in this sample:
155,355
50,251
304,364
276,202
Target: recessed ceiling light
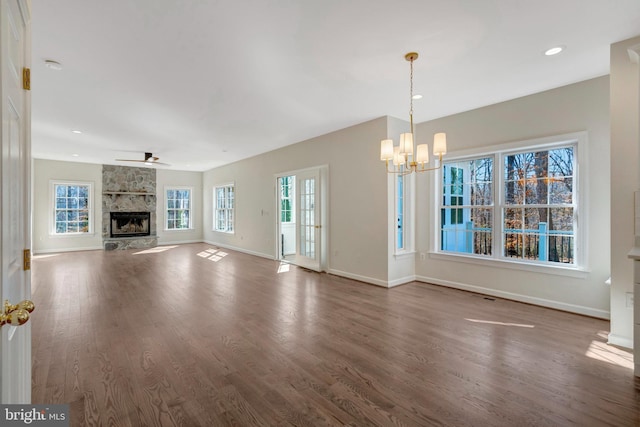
52,65
76,131
417,96
554,50
75,155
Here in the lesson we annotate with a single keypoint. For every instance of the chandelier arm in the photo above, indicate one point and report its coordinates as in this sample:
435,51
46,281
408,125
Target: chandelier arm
433,168
391,170
408,170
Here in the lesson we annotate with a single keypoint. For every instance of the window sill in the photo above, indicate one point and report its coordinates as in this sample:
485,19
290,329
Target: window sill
224,232
69,235
577,272
404,254
169,230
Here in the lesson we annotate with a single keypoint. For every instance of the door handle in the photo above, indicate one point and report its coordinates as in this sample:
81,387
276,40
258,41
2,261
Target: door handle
17,314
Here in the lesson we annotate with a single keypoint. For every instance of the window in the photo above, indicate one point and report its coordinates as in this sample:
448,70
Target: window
400,210
466,214
71,208
538,209
178,209
455,196
524,210
223,208
287,197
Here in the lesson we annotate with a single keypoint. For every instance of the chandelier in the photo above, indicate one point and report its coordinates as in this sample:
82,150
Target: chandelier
404,159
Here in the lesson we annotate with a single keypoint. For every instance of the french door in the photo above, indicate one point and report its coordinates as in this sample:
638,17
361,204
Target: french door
300,218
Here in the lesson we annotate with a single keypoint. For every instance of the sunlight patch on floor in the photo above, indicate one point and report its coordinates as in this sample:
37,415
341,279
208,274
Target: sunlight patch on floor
155,250
44,256
491,322
604,352
214,255
603,335
284,267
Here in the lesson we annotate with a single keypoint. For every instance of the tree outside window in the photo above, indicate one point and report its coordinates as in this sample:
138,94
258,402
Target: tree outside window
178,208
224,208
72,208
467,206
538,214
287,197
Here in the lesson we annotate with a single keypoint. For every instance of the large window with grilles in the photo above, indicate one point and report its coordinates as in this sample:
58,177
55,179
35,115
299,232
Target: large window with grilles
178,208
72,208
223,208
519,204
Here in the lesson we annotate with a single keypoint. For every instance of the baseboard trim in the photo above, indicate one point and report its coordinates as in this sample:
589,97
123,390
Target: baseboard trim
359,278
620,341
58,250
244,251
180,242
401,281
572,308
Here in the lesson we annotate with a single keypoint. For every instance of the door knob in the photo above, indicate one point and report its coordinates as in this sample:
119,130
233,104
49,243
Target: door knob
15,318
24,305
17,314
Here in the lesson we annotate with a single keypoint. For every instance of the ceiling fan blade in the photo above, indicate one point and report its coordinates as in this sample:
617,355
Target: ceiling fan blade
149,159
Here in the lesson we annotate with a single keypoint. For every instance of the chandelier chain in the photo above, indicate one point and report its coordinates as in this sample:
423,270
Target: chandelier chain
411,95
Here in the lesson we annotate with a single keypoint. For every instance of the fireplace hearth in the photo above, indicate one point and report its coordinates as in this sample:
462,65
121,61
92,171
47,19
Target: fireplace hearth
130,224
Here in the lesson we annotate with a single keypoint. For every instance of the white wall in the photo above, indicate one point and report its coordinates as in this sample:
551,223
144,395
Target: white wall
46,170
357,199
625,155
579,107
43,172
170,178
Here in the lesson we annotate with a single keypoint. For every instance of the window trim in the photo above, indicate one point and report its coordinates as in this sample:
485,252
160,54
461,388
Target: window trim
291,197
167,188
397,204
498,152
214,210
409,216
52,208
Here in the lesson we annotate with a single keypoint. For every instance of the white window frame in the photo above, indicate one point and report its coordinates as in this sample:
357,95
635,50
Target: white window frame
229,228
166,207
499,152
53,206
401,217
408,225
291,198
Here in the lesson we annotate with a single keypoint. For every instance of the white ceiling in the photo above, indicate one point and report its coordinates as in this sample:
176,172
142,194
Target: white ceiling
203,83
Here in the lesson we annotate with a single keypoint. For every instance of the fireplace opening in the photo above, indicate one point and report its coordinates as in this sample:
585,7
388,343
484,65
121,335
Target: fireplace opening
130,224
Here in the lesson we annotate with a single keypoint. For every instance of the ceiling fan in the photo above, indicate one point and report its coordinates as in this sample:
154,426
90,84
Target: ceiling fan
149,160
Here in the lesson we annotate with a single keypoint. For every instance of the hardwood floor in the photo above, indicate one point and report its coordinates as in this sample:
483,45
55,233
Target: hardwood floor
194,336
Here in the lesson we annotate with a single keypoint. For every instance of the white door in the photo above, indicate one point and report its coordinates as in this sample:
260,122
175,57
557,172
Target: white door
302,216
15,231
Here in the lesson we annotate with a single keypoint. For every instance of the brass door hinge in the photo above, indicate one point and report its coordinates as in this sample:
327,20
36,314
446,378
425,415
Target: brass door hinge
26,259
26,78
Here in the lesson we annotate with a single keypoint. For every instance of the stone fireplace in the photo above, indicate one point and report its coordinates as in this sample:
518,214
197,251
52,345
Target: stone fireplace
128,207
